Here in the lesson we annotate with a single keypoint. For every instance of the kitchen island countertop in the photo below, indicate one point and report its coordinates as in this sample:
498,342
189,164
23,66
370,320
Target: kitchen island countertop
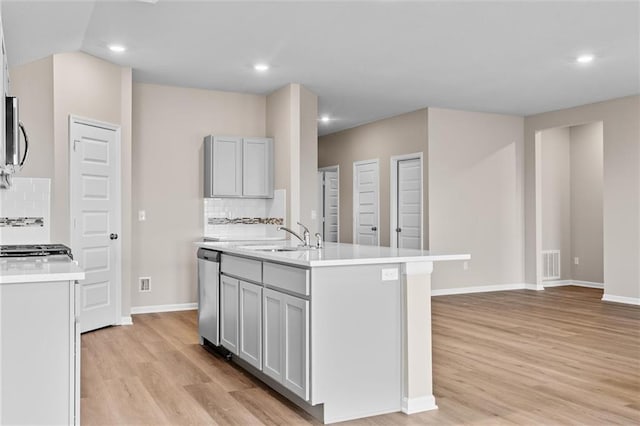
332,254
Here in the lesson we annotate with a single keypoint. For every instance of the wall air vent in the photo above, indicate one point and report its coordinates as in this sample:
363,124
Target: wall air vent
550,265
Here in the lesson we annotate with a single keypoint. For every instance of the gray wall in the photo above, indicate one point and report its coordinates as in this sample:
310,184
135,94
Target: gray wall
621,188
476,173
556,195
169,126
586,202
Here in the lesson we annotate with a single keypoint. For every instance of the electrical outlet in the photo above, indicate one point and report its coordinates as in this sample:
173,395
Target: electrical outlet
390,274
314,215
465,265
576,260
142,215
144,284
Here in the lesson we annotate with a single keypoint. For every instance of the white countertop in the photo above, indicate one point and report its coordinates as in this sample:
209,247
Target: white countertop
333,254
32,270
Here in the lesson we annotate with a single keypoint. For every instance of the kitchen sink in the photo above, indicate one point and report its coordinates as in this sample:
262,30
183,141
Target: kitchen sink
274,248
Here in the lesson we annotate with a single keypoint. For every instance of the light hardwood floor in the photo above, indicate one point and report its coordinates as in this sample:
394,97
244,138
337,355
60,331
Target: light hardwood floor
560,356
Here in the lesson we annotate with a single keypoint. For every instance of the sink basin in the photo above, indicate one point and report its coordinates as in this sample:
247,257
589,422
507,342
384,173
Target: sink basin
269,248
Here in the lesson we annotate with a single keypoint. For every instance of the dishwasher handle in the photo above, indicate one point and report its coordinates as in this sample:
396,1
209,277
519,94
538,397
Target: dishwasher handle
209,255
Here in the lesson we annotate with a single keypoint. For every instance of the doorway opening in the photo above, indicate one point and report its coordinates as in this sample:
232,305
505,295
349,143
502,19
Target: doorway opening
569,206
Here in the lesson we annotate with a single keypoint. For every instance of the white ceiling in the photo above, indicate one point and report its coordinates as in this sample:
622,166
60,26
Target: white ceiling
365,60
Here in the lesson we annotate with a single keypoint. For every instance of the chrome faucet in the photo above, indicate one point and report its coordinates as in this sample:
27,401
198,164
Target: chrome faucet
305,239
318,240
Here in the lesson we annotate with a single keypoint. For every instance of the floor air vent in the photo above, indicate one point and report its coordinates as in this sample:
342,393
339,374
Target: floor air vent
550,265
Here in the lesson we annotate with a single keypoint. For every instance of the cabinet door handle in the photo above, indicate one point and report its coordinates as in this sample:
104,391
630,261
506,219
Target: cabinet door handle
373,228
398,230
113,236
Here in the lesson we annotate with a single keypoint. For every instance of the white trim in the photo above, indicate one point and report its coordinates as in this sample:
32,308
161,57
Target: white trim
484,289
587,284
75,119
164,308
418,405
577,283
621,299
355,200
126,320
336,169
393,196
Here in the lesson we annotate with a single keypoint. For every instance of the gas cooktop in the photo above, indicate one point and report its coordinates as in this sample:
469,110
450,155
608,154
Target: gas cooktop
32,250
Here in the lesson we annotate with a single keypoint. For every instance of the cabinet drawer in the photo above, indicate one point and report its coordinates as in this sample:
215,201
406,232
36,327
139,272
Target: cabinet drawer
295,280
242,268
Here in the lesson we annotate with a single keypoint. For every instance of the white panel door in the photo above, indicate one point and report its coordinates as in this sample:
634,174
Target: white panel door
409,203
365,199
331,206
95,220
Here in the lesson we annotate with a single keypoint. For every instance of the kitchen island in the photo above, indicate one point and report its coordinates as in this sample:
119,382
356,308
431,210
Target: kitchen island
343,331
39,341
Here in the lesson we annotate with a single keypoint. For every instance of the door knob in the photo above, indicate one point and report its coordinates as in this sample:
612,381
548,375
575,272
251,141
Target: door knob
113,236
373,228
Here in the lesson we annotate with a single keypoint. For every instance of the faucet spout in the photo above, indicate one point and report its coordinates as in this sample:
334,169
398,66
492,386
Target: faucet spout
305,239
295,234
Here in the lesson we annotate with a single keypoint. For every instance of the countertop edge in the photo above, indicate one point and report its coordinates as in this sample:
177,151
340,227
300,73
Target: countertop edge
45,277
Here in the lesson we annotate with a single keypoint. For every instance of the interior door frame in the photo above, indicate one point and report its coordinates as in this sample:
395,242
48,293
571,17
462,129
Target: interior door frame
336,169
355,197
75,119
393,197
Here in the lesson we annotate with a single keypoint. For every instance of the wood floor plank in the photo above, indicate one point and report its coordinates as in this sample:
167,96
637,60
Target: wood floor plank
221,406
555,357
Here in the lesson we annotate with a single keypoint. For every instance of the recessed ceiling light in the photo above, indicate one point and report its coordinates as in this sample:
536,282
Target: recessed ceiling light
325,119
261,67
118,48
585,59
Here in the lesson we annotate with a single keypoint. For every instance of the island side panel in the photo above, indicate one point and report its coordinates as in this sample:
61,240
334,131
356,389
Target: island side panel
417,357
356,341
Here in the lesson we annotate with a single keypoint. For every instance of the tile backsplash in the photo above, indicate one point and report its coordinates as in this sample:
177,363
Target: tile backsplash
25,212
244,217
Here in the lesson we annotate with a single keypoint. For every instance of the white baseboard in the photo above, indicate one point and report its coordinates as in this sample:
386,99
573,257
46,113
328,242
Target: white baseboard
483,289
621,299
578,283
417,405
163,308
126,320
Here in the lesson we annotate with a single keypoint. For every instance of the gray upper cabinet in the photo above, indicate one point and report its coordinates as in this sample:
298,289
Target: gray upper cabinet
238,167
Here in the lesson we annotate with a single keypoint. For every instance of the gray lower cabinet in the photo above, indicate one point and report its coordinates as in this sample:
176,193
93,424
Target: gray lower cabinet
251,324
286,341
229,318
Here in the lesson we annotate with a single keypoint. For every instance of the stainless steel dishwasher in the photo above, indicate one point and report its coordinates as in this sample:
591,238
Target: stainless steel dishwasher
209,295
